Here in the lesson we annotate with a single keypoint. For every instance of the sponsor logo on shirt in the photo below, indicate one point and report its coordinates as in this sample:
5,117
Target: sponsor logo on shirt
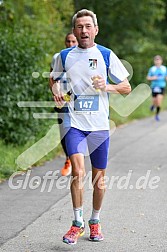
93,63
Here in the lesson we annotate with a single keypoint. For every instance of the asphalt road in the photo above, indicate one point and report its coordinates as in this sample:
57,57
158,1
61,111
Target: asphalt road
35,214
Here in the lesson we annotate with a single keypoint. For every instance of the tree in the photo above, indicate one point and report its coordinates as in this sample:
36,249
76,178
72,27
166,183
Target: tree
31,32
131,28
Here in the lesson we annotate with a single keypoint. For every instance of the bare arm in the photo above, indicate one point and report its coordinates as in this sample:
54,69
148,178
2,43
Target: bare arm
150,78
58,96
123,87
51,82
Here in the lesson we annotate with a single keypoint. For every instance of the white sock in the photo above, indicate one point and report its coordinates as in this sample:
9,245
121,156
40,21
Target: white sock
95,214
78,214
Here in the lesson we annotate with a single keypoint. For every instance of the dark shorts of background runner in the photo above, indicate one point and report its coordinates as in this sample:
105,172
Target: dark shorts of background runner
162,92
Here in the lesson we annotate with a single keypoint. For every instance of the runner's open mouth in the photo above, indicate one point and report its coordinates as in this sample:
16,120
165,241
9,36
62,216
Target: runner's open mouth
84,37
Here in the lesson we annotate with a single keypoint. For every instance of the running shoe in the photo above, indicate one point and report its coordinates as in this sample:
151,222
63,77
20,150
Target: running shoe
157,118
74,233
66,170
152,108
95,231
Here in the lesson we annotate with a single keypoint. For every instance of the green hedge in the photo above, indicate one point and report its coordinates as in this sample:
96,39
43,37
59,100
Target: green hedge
21,54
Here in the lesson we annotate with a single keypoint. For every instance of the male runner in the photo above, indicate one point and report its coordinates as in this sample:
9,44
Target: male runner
88,65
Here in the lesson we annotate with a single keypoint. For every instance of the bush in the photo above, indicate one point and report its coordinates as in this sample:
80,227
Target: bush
21,54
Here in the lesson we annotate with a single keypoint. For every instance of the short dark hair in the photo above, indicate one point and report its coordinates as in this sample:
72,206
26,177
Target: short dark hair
69,33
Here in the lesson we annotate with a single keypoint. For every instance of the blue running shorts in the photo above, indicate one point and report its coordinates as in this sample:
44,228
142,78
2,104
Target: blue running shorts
97,143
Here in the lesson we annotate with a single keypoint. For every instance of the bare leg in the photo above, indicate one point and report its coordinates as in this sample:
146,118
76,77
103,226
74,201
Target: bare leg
99,187
78,173
154,101
159,99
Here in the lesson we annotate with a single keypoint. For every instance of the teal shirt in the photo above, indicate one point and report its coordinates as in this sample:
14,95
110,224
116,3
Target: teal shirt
161,72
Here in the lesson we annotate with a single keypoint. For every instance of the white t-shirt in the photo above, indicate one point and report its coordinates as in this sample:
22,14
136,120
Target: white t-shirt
89,109
53,60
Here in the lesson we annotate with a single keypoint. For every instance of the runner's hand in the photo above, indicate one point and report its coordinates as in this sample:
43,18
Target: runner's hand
58,95
99,83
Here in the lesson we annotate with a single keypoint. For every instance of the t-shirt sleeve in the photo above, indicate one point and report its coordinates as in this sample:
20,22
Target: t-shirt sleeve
57,68
150,72
117,72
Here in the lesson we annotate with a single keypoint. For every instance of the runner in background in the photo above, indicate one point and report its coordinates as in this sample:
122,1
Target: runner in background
157,74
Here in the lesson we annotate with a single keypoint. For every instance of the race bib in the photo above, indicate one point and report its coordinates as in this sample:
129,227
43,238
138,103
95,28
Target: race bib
157,90
86,104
